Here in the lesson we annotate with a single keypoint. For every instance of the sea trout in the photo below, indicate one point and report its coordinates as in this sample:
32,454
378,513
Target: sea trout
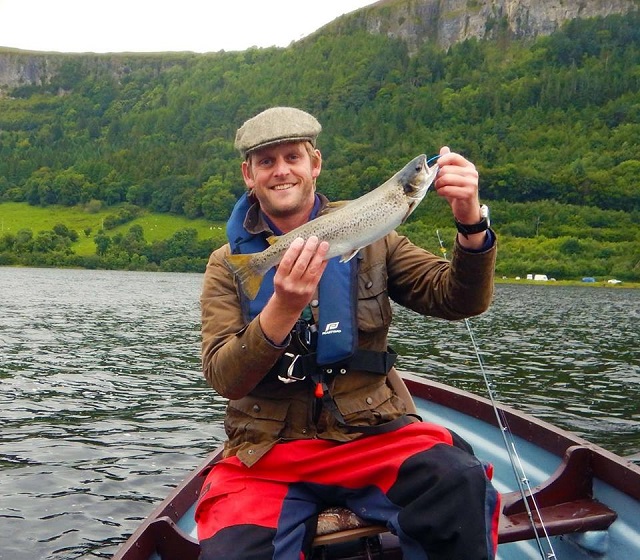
347,226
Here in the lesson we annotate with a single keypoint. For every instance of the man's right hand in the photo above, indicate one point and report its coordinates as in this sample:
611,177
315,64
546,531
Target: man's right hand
295,284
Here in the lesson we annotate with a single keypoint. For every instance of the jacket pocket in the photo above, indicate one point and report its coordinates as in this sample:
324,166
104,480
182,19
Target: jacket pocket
370,406
374,307
255,420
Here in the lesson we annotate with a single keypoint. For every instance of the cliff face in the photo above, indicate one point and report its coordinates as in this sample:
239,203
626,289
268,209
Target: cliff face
29,68
446,22
18,69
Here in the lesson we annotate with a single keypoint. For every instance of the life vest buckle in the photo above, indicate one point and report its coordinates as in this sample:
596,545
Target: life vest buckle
290,377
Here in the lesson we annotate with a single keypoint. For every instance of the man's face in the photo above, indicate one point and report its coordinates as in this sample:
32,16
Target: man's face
283,179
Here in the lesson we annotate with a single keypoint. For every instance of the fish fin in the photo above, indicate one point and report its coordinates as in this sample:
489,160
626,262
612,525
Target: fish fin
348,256
272,239
249,280
332,206
412,207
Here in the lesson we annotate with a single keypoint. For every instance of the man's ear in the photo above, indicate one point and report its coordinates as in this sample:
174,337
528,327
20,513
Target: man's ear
316,165
246,175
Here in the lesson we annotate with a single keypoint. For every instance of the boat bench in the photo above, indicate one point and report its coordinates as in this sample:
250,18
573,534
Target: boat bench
565,502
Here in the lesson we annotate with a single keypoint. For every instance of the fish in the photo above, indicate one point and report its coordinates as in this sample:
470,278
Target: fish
347,226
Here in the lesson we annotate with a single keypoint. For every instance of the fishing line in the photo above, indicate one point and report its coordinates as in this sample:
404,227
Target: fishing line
507,435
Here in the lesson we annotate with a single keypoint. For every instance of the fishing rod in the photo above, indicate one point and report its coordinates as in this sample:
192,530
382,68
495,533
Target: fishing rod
546,551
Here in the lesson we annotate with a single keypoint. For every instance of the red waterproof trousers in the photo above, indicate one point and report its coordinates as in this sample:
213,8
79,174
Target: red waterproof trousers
422,481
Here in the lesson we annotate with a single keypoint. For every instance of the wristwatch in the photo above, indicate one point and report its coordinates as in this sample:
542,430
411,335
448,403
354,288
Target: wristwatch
482,225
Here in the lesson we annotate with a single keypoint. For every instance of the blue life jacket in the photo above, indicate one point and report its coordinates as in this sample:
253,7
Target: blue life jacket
337,334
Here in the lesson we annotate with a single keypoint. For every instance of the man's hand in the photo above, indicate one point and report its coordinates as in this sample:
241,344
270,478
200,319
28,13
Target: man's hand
294,285
457,182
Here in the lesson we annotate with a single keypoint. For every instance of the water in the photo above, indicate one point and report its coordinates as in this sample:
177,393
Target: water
568,355
103,407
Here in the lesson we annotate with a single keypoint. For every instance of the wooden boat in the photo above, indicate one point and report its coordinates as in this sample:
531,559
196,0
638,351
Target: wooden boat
588,498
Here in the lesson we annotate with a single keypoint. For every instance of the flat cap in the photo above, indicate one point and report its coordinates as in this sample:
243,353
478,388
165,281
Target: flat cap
276,126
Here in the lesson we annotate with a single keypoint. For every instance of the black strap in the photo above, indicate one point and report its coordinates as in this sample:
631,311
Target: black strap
367,360
375,362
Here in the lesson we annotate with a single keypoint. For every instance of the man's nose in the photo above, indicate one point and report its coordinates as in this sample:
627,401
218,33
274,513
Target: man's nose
281,166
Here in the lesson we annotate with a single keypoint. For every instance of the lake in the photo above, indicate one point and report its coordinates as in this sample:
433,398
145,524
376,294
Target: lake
104,409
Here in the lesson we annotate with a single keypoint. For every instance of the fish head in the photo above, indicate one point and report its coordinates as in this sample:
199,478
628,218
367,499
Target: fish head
416,177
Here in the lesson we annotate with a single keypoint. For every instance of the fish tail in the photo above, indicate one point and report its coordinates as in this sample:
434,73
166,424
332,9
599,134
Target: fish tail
250,280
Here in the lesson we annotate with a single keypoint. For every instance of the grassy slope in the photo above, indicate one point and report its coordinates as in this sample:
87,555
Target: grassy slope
16,216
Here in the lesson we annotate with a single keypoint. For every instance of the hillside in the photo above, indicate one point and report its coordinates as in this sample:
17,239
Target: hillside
551,120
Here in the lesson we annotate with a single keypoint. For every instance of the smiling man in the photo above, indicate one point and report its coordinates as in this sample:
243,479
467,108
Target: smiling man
305,433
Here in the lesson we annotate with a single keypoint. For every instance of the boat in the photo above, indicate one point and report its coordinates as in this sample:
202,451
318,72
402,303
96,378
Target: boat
587,497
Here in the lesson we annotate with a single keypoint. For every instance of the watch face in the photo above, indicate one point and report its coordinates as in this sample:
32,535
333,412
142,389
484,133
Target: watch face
484,212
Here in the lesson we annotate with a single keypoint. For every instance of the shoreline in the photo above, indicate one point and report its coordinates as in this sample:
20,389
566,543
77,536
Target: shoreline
596,284
498,280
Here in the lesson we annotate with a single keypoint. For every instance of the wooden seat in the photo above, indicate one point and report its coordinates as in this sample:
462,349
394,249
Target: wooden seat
342,534
565,502
338,524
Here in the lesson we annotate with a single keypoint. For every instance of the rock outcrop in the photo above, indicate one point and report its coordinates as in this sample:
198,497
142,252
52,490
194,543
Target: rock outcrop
446,22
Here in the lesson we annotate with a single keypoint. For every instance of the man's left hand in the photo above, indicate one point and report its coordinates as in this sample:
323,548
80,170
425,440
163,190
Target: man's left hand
457,182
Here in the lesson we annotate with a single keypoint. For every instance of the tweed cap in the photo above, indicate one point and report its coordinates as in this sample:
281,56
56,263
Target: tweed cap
276,126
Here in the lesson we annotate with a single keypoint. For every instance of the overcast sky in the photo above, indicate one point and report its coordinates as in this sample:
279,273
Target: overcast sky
163,25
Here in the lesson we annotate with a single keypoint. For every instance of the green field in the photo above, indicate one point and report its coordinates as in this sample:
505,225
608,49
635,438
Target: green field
15,216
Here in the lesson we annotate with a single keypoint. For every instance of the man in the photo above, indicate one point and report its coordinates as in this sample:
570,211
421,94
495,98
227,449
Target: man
304,434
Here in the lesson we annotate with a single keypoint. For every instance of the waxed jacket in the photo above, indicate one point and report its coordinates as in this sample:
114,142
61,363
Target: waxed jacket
237,358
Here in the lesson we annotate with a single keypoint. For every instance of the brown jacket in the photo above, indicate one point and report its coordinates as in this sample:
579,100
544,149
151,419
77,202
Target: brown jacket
237,357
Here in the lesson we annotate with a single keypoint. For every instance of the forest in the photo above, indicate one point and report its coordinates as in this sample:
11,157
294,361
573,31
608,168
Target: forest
553,126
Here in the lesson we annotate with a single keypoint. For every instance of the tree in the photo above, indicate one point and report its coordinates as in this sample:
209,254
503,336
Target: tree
24,241
71,188
216,199
102,242
61,230
133,242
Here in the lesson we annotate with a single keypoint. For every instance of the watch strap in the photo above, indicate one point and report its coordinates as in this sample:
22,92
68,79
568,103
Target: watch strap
482,225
